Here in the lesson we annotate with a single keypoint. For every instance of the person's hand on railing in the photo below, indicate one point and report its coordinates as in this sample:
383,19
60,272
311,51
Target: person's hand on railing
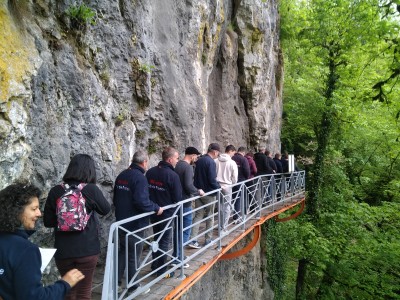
160,211
72,277
201,192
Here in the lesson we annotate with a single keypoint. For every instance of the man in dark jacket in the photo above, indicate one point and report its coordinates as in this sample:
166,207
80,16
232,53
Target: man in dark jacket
271,164
165,189
261,161
278,163
205,178
131,198
243,174
184,168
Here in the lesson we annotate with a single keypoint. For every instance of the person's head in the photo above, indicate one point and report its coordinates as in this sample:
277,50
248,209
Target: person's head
230,150
81,168
141,159
242,150
191,154
251,154
267,153
213,150
277,155
19,206
261,149
170,155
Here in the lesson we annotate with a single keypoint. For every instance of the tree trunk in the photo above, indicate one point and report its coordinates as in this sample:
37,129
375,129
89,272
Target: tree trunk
301,276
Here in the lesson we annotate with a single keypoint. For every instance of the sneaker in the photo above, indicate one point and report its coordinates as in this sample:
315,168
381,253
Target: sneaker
184,265
207,242
224,232
169,275
134,288
194,245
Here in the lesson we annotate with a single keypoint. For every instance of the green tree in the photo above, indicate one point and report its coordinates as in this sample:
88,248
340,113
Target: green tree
335,54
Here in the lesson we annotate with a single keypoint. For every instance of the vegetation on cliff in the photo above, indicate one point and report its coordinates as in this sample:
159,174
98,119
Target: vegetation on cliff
341,113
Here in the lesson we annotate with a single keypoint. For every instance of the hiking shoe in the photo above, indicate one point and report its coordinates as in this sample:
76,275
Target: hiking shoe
184,265
169,275
194,245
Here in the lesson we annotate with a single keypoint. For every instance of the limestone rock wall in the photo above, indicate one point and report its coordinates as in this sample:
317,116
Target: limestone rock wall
143,74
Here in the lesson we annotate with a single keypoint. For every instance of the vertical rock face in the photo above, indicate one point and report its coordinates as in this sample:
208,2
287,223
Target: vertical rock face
144,74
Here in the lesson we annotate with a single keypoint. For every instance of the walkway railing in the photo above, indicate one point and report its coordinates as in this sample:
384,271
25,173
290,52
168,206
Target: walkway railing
254,195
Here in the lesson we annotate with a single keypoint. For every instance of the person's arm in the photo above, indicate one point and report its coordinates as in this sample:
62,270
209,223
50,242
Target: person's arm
212,176
188,185
96,199
235,172
246,168
176,189
49,213
27,279
140,192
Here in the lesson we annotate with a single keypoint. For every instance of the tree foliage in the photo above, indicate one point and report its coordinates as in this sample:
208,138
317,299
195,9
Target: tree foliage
341,114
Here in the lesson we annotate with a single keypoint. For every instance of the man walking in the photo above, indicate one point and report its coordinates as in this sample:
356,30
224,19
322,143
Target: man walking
205,178
165,189
184,168
131,198
227,174
243,174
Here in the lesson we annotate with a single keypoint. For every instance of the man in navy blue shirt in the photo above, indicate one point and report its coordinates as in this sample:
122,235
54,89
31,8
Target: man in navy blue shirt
131,198
205,178
165,189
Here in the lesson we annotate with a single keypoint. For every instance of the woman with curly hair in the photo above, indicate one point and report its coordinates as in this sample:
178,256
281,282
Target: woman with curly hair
20,260
78,249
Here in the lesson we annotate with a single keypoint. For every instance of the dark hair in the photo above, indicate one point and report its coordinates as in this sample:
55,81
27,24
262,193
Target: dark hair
267,152
168,152
81,168
242,149
230,148
251,154
13,200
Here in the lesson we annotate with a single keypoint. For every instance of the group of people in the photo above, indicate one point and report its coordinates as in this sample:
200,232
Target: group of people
77,251
137,190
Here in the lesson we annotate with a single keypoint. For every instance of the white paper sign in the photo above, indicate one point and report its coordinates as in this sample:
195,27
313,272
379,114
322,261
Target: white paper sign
47,254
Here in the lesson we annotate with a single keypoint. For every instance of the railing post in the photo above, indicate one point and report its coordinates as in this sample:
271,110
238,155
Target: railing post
179,234
260,198
273,191
115,265
220,218
242,204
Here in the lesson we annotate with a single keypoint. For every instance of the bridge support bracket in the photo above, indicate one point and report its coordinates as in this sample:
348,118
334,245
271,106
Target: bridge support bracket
291,217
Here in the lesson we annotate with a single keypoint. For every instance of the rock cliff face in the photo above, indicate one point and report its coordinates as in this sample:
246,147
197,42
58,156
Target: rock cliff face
142,74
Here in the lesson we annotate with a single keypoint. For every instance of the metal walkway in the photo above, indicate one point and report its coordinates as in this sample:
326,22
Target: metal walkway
262,198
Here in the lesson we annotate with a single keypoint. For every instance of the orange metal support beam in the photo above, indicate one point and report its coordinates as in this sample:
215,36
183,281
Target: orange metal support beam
245,250
188,282
295,215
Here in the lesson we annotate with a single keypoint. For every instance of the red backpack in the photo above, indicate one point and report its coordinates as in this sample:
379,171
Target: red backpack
71,209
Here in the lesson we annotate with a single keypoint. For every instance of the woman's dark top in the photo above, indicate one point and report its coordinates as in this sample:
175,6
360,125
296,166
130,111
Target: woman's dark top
71,244
20,276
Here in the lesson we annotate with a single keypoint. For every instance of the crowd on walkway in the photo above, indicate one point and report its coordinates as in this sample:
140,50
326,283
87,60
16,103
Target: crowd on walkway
71,208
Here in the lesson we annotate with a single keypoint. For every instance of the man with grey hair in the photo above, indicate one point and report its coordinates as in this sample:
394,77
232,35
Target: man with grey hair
131,198
165,189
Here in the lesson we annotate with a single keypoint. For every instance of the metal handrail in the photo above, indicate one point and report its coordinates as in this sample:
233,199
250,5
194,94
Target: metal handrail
255,195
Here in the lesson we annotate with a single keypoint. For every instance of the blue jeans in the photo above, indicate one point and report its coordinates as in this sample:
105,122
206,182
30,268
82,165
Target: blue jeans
187,221
160,256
